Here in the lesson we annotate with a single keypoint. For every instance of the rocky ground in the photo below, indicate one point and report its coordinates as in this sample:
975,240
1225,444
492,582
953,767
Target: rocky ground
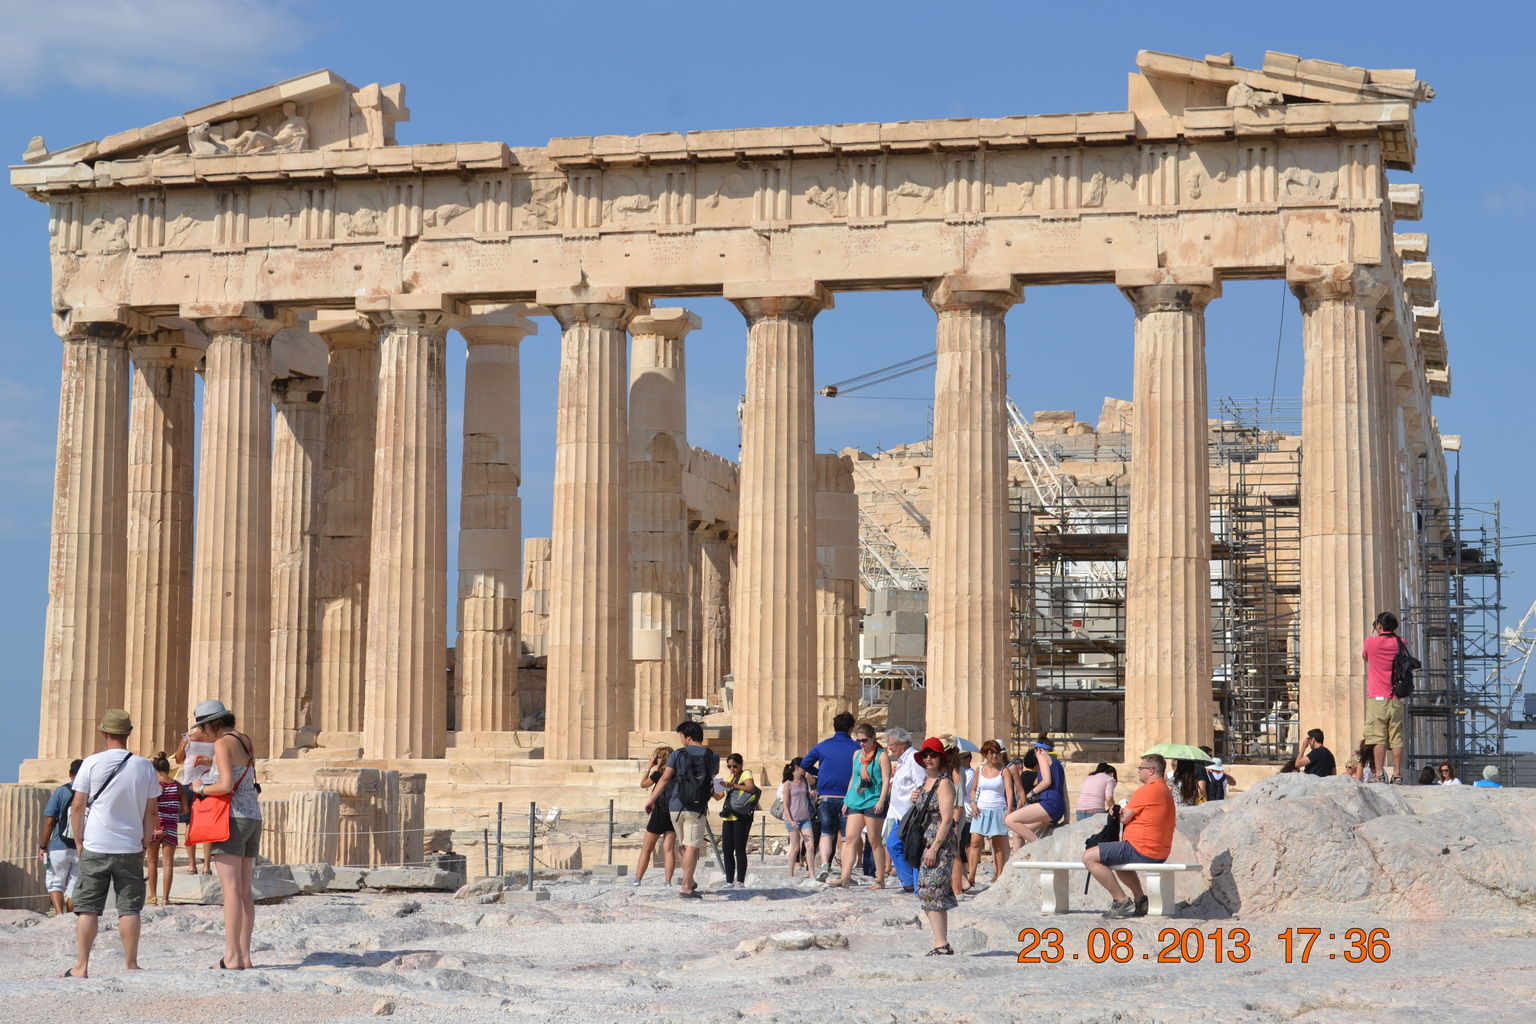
1292,854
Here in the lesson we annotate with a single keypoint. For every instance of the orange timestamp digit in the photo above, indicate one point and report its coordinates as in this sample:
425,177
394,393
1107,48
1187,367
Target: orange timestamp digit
1374,945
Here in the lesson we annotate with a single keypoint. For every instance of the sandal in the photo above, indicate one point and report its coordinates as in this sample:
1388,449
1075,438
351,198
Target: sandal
943,950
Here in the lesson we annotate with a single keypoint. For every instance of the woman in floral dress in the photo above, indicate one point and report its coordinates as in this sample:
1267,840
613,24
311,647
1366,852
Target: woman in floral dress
935,801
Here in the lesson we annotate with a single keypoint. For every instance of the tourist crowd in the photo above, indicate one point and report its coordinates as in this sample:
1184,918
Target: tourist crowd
116,825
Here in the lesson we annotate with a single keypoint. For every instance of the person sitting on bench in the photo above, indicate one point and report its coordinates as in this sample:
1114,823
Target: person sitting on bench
1146,838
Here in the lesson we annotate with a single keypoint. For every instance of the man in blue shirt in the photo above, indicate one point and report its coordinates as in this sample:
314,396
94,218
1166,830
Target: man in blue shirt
830,763
60,858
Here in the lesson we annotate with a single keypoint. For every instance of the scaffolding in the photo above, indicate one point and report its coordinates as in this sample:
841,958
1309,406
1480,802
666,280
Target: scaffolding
1067,557
1256,523
1460,706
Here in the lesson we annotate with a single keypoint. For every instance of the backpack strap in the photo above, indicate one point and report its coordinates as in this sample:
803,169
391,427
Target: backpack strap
106,785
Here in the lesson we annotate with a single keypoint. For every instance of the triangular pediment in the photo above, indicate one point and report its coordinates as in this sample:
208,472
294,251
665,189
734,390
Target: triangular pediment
1286,76
320,110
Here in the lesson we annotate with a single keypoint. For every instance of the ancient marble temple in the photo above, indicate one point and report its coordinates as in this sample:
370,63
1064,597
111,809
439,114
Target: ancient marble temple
316,273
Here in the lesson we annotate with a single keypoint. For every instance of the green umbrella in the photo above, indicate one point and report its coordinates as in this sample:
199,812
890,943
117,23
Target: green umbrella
1180,752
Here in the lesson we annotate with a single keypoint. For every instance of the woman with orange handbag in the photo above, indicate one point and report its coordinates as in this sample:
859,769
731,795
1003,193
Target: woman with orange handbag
227,814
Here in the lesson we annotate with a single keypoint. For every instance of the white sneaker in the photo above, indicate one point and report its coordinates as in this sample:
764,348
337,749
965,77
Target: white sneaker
635,883
665,884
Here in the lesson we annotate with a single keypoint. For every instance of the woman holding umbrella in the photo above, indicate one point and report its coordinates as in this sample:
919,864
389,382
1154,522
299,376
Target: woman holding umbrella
1045,803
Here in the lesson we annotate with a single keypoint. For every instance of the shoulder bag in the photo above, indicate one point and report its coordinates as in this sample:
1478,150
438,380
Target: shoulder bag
210,814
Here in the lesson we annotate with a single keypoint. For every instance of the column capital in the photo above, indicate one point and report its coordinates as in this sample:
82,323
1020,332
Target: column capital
1168,289
672,323
261,319
498,325
344,330
608,308
298,390
1341,282
426,310
788,300
167,347
102,323
992,292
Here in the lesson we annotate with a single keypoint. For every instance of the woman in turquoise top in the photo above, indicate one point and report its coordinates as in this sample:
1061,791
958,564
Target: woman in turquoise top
869,794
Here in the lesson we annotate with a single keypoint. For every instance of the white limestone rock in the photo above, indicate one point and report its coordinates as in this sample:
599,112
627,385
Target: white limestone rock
205,890
312,878
411,878
346,880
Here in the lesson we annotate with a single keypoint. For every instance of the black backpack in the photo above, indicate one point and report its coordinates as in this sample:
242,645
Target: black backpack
1403,667
1215,787
693,782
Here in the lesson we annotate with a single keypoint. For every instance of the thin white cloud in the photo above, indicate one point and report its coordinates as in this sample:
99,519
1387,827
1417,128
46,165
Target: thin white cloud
1510,198
157,47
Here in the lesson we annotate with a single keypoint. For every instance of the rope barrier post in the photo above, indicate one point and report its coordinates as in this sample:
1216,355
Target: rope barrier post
610,832
762,841
501,867
533,811
485,847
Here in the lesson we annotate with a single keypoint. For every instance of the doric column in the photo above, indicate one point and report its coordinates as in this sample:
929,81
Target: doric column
693,684
21,873
346,524
298,452
413,817
1388,471
968,674
274,829
775,642
357,790
232,570
837,580
658,516
1168,570
83,649
314,827
1342,436
407,674
589,699
714,598
490,525
535,621
159,606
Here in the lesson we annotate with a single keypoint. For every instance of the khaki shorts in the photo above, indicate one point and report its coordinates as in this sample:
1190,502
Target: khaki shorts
123,872
1384,723
244,838
690,828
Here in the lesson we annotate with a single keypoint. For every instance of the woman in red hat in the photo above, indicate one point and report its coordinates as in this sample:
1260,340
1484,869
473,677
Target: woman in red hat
934,801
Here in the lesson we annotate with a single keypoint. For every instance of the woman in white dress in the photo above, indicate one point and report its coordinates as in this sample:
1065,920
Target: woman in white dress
195,755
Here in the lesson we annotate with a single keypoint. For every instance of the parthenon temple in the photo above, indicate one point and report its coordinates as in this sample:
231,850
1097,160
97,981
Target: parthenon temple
283,247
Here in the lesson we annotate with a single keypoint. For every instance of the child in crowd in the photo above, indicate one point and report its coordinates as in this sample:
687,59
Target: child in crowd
161,854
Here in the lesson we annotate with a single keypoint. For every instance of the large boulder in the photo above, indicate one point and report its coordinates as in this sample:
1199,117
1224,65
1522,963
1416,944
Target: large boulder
412,878
205,890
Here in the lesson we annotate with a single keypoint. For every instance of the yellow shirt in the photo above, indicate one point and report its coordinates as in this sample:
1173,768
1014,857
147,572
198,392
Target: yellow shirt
725,814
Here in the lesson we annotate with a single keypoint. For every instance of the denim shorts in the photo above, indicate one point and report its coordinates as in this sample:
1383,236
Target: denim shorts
1121,852
829,811
791,827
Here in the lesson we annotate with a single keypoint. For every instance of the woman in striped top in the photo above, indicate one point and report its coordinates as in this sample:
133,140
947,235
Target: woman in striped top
162,844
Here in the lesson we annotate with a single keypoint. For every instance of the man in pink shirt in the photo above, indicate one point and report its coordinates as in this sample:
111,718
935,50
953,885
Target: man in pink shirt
1383,712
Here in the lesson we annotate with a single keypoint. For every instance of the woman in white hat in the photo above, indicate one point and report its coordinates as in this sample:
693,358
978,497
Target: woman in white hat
234,859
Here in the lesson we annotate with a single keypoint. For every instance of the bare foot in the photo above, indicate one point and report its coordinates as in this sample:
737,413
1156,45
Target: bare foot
77,972
132,967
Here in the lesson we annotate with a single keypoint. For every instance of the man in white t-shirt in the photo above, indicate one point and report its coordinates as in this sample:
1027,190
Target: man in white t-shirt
113,816
905,778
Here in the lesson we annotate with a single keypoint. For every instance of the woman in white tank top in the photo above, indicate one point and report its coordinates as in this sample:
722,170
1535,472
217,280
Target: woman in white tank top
195,755
989,801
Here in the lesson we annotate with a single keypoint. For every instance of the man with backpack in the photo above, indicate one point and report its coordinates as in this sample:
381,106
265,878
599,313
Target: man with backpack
113,815
694,767
1383,705
57,847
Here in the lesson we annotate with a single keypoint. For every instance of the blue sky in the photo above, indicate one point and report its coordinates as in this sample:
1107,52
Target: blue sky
524,73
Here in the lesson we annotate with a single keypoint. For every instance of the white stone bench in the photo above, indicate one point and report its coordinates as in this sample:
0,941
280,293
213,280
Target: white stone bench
1056,874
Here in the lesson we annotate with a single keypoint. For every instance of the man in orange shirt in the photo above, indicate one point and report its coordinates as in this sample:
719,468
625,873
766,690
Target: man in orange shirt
1146,837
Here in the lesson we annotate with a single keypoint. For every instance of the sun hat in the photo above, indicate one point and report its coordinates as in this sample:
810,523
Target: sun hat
208,710
932,745
1215,765
1490,773
116,722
